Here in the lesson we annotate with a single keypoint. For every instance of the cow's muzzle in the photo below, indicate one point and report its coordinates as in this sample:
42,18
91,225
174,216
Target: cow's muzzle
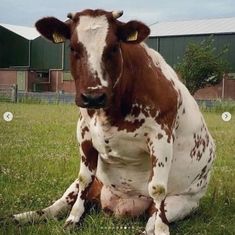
96,101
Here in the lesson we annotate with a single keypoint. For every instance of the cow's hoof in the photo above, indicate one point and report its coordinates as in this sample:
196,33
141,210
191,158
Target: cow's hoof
141,233
71,223
146,233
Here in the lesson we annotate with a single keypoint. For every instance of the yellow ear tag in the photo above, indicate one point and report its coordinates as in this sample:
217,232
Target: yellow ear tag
57,38
133,37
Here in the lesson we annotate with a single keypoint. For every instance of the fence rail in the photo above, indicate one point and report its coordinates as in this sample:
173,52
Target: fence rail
45,97
8,93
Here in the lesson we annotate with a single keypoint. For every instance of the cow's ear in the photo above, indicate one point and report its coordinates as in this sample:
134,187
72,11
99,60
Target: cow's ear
133,32
53,29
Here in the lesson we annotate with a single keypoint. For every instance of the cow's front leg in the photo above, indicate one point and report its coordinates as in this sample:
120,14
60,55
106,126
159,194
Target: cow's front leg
88,165
160,148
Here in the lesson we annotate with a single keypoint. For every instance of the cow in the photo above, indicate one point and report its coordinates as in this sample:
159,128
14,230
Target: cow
144,144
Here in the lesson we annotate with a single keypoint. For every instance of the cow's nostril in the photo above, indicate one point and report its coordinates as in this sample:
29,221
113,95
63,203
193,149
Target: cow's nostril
101,99
93,100
85,98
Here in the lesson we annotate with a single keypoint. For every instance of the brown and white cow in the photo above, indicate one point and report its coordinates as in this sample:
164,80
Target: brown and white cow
144,144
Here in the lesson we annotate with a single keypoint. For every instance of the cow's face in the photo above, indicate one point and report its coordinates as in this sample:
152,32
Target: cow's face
96,57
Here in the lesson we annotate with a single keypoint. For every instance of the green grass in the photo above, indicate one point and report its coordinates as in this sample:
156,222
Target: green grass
39,159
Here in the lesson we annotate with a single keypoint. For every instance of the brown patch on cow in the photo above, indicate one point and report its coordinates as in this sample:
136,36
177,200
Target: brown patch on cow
159,136
180,101
151,210
71,198
160,164
183,112
162,213
95,191
209,160
84,193
154,163
135,111
40,212
203,172
90,155
83,131
90,112
201,142
130,126
107,211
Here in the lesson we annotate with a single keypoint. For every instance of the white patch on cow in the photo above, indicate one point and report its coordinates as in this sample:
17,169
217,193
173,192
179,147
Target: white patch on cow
92,32
94,88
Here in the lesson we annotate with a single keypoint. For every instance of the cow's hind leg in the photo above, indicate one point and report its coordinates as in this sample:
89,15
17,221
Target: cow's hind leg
173,208
61,206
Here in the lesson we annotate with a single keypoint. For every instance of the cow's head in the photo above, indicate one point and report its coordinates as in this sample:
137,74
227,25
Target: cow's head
96,57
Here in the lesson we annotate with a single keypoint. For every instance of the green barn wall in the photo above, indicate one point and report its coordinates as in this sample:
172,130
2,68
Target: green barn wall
14,49
66,56
45,55
172,48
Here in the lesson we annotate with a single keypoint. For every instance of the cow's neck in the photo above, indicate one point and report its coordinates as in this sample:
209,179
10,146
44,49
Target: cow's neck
125,89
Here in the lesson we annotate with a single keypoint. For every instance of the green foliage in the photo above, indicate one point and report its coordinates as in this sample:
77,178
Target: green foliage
202,65
39,159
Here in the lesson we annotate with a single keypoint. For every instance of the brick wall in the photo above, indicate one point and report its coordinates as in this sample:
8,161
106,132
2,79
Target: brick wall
215,92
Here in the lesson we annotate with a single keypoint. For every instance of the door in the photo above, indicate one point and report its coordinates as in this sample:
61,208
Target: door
21,80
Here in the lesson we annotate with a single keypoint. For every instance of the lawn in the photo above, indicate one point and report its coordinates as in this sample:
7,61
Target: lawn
39,159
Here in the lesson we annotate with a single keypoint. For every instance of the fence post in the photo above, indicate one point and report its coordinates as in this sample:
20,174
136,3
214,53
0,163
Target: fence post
14,92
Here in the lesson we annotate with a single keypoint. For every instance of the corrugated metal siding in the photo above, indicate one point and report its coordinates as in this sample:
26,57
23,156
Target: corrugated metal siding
193,27
45,55
220,41
173,48
14,49
66,56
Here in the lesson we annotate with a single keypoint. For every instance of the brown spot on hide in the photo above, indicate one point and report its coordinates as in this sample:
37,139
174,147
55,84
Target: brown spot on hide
40,212
131,126
151,210
84,130
91,155
159,136
71,198
162,214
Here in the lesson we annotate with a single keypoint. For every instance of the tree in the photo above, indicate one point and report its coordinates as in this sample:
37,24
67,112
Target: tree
202,65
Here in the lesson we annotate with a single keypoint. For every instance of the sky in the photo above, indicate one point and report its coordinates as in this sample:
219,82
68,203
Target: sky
27,12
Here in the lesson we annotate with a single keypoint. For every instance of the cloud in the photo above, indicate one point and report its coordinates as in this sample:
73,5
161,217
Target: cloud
26,12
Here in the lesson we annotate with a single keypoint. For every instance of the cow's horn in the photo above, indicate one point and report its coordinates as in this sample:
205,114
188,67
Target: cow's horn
71,15
117,14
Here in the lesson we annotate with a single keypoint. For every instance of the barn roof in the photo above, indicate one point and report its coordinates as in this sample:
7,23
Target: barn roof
193,27
29,33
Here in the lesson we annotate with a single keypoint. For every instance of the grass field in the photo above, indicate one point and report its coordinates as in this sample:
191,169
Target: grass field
39,159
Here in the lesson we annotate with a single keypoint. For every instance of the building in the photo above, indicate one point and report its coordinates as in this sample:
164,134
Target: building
32,62
172,38
36,64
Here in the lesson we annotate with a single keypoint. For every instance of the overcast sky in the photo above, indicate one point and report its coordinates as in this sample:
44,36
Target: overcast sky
26,12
